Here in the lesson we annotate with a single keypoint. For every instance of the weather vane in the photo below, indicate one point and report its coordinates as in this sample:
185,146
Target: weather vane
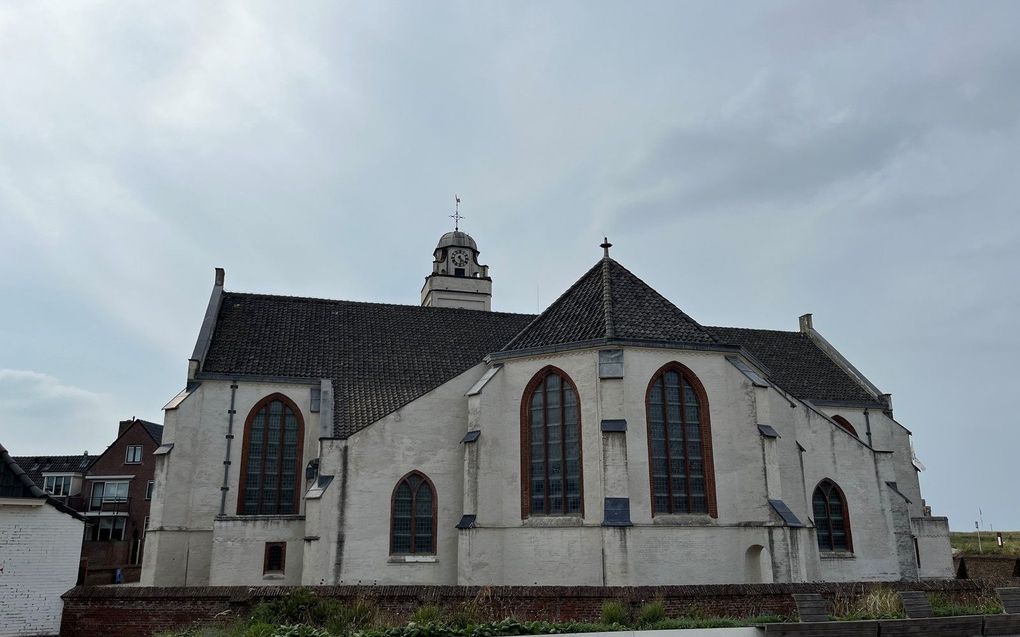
456,216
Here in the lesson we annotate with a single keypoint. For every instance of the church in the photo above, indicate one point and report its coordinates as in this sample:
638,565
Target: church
611,440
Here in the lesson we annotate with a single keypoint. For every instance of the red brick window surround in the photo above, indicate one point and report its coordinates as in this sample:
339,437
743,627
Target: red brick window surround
680,463
413,516
271,458
552,476
845,424
274,560
832,518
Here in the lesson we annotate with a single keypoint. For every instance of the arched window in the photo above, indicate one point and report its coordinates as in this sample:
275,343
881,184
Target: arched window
832,520
413,516
271,458
551,473
679,443
845,424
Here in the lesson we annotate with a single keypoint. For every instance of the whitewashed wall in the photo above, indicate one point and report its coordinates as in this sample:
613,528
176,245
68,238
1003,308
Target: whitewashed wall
39,552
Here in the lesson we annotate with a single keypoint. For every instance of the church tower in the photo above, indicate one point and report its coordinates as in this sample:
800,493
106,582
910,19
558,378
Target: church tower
457,279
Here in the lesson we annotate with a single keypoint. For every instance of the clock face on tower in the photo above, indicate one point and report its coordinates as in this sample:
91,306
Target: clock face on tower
460,258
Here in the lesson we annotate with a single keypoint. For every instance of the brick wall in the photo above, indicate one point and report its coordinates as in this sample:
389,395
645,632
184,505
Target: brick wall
143,611
39,548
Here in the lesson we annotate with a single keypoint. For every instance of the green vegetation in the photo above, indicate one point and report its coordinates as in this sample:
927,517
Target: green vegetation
967,543
878,603
982,604
302,614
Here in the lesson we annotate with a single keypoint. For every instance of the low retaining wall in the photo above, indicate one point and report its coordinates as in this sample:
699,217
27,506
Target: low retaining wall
134,611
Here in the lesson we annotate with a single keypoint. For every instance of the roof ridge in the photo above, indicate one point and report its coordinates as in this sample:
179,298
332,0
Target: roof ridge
314,299
607,297
649,288
751,329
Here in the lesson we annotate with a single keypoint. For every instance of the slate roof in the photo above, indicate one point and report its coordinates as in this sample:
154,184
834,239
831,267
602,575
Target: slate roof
154,430
379,357
16,483
796,364
34,466
610,302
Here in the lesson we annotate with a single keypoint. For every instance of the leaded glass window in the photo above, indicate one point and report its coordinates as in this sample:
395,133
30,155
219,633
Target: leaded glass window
553,446
679,448
832,521
269,473
412,523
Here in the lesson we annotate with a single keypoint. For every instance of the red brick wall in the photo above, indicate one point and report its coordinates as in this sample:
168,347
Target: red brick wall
104,557
143,611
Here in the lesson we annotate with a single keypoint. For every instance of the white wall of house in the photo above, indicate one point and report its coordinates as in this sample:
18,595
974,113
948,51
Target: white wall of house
39,551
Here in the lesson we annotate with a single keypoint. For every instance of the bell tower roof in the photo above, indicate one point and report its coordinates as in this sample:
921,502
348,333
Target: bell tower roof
457,239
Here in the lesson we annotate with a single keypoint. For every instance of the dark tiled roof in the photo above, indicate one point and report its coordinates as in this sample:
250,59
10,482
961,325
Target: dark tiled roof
610,302
34,466
154,430
16,483
796,364
379,357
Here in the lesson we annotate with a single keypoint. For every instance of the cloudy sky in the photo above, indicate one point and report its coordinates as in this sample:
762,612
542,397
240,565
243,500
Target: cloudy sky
751,161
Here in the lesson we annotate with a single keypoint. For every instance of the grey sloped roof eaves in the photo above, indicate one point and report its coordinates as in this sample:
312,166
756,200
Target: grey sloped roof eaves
379,357
796,364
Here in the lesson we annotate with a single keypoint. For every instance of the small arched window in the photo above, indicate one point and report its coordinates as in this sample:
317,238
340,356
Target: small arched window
271,458
413,516
679,443
551,474
832,520
845,424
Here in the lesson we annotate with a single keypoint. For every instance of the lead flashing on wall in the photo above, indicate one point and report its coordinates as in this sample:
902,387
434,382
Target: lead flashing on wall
484,380
896,490
319,487
471,436
467,522
768,431
753,376
614,425
789,517
617,512
162,450
181,396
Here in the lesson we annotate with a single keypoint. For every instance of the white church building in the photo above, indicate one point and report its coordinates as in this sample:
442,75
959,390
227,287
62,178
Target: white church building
611,440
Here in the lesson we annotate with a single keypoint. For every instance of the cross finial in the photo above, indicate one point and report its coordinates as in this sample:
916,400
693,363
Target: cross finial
605,247
456,216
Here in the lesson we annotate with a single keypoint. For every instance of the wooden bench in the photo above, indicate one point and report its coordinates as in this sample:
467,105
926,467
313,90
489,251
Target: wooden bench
916,605
811,607
1010,598
1009,622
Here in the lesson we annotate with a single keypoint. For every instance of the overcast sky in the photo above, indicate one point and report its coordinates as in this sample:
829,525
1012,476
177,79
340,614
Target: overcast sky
751,161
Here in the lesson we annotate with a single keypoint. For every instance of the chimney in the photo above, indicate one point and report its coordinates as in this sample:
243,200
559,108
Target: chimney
124,424
805,323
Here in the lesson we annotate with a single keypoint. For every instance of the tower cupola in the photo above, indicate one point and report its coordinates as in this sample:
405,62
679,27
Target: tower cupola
457,279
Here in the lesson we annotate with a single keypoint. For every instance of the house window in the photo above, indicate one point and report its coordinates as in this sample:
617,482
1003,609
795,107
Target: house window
57,485
149,486
108,492
832,520
551,446
107,529
413,516
679,443
845,424
275,559
133,454
273,441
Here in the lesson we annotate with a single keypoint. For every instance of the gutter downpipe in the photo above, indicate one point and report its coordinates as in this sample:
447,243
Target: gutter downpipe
226,458
867,424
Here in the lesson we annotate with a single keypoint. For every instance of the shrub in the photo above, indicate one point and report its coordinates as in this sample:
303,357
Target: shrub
467,615
651,613
878,603
359,615
615,612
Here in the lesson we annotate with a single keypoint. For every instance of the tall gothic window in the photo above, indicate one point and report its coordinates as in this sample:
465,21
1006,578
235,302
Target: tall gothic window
551,446
271,458
832,520
413,516
679,443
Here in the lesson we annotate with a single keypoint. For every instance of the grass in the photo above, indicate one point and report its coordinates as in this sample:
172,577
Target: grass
967,543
